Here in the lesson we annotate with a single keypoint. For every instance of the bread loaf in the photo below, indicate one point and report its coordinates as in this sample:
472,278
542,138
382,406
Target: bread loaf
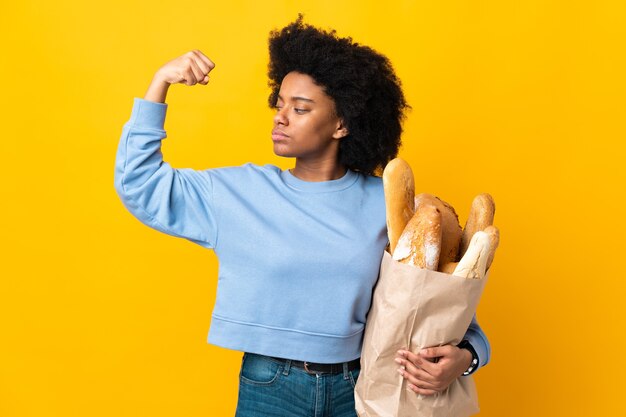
450,228
447,268
420,243
480,216
399,187
473,264
494,241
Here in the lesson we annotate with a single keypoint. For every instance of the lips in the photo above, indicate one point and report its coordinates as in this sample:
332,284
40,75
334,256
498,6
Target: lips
278,135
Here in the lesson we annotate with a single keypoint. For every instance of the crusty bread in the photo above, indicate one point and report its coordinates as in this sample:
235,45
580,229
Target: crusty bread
447,268
480,216
474,263
399,187
420,243
494,241
450,228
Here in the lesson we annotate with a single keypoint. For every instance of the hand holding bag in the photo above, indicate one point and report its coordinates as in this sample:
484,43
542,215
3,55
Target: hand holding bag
414,308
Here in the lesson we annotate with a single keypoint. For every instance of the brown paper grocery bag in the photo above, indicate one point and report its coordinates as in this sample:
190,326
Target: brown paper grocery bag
414,308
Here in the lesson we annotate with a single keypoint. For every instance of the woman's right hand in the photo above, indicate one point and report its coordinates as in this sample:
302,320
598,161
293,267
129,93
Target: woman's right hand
189,69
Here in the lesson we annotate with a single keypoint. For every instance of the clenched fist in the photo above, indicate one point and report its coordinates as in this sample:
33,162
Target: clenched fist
189,69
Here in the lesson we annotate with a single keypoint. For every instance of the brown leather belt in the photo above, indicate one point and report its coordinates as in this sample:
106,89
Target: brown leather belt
322,368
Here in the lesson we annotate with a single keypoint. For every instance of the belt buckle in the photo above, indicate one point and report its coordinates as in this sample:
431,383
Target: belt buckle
306,368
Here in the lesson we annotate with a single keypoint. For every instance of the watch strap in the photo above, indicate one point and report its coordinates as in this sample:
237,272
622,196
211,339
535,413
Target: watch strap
474,364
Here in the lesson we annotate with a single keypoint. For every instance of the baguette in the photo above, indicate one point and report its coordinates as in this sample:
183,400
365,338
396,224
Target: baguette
447,268
494,241
480,216
420,243
399,188
450,228
474,263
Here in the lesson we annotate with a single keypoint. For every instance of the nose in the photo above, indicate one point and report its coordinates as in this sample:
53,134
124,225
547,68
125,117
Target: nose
280,118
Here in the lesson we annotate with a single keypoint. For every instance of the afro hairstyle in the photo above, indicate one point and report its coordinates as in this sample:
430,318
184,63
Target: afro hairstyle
367,94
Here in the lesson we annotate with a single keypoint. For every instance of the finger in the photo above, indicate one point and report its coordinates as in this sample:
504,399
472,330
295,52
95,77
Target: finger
189,68
210,64
190,78
195,69
202,67
421,391
417,379
186,72
431,368
436,351
416,372
437,354
417,360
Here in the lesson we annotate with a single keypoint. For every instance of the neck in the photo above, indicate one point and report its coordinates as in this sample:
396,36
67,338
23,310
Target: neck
318,171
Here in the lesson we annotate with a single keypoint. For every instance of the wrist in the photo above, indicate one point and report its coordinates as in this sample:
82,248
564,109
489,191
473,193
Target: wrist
160,79
157,91
471,354
467,358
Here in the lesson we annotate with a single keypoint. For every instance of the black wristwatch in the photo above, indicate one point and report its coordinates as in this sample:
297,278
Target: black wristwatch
474,365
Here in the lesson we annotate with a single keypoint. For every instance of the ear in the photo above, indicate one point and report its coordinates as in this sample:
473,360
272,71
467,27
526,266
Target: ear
341,130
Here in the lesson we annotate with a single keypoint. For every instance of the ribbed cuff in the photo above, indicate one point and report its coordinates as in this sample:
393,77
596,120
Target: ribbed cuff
148,114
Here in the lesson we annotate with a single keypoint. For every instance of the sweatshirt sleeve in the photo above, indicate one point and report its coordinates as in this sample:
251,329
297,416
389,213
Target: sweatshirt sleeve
178,202
479,342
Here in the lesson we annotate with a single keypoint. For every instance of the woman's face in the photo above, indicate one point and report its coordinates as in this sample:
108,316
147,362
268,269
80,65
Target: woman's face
306,125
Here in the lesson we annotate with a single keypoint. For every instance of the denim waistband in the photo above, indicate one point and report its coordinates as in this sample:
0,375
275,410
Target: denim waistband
321,368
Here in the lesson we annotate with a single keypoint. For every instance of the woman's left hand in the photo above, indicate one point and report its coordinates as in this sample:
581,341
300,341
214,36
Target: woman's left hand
427,377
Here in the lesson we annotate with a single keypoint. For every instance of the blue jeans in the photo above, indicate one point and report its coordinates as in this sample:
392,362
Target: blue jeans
269,387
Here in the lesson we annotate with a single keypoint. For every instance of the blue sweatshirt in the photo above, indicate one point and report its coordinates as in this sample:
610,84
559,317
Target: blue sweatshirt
297,260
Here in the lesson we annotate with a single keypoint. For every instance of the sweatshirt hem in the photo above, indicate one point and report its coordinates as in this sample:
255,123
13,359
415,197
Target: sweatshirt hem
284,343
284,329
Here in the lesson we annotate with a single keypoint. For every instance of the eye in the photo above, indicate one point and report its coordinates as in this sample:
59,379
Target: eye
300,111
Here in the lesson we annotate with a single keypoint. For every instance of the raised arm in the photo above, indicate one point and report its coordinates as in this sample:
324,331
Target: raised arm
175,201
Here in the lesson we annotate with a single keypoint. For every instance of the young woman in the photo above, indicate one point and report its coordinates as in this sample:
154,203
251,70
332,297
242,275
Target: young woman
299,249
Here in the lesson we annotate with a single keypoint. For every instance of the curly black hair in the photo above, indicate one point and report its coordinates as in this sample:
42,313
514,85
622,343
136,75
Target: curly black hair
367,94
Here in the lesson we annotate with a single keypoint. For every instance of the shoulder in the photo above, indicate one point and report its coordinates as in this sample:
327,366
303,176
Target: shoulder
372,183
372,180
372,191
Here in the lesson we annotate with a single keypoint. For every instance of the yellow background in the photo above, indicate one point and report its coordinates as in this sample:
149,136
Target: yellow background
102,316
